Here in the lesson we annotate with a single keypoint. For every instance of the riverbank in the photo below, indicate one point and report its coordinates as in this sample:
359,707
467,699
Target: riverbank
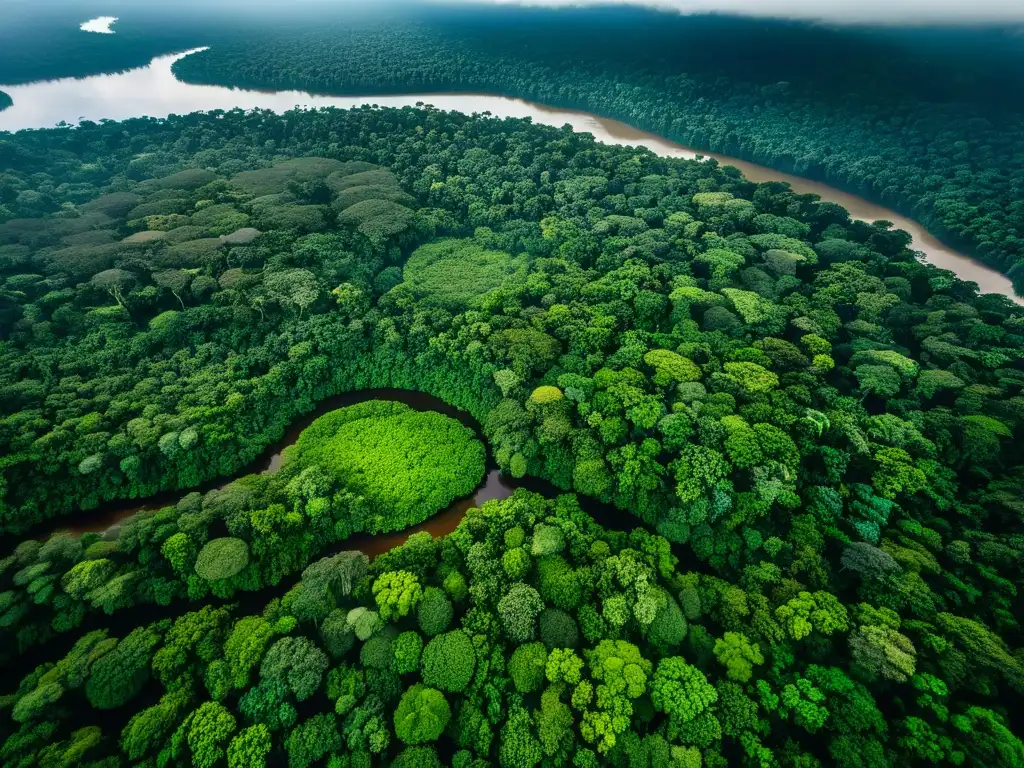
107,519
155,91
494,486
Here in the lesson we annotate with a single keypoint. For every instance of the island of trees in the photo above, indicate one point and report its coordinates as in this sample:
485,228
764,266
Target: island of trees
803,438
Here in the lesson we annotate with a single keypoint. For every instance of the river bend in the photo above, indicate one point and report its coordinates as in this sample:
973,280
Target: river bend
154,91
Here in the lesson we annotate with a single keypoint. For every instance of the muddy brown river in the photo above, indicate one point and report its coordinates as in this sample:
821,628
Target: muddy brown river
108,518
154,91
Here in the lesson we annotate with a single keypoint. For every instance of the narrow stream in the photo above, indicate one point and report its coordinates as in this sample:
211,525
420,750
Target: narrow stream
154,91
494,486
108,518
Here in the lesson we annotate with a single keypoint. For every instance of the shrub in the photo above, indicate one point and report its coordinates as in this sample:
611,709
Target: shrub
222,558
559,583
435,612
547,540
378,652
347,198
266,181
250,747
297,663
449,661
558,629
546,394
378,219
396,593
189,179
515,537
455,585
360,174
158,208
527,666
669,627
417,757
408,647
203,252
337,634
516,563
422,715
363,622
312,740
518,610
119,676
300,219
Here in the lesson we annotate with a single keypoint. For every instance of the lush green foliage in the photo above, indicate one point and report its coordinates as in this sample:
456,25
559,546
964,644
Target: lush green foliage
422,715
449,661
917,120
455,274
407,464
277,523
435,611
222,558
851,533
738,690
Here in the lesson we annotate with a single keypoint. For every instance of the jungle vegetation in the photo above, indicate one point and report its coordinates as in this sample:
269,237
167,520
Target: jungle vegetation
808,433
405,464
371,468
925,121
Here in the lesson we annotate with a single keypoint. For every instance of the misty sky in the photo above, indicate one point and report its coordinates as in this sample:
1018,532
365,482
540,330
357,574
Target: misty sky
885,11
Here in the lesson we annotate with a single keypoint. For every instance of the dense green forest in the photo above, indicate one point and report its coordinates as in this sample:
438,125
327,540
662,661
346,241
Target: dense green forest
929,125
926,121
808,433
5,100
402,468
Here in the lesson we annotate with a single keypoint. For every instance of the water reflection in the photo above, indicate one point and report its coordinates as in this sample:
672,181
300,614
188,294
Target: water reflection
495,486
100,24
154,91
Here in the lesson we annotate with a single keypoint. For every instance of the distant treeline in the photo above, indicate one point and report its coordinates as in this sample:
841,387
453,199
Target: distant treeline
921,120
893,116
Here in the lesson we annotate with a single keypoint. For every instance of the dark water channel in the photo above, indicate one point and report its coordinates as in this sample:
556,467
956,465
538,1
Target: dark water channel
495,485
107,518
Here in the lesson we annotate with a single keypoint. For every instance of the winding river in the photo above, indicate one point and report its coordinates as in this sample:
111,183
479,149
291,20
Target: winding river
108,518
154,91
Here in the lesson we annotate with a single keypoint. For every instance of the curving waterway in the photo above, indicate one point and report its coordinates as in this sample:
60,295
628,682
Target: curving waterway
108,518
154,91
